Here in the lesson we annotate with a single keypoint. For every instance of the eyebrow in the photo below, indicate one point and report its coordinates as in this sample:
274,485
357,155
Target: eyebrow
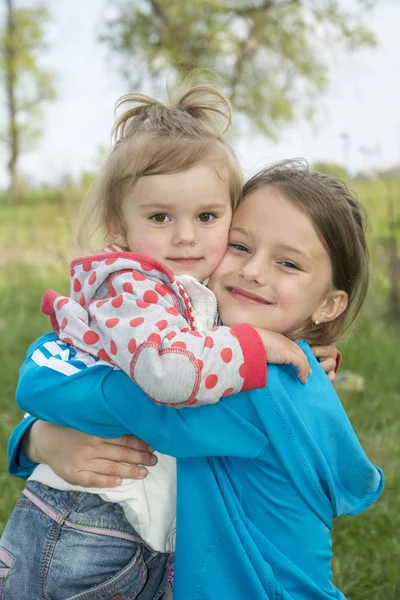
240,230
205,208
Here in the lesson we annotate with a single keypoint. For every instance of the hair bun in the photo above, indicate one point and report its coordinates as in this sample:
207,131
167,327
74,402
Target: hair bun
189,112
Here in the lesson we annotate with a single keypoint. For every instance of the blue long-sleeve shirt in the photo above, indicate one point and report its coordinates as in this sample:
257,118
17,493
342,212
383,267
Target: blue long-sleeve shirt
260,474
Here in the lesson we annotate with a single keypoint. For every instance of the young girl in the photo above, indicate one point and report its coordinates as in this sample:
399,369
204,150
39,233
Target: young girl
164,201
297,263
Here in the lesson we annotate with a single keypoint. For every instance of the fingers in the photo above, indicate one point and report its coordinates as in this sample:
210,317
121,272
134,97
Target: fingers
123,454
323,352
100,480
331,376
328,364
115,471
130,441
300,361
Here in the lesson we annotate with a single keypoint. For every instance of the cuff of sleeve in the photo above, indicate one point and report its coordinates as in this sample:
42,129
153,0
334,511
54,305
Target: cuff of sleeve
338,360
254,367
18,464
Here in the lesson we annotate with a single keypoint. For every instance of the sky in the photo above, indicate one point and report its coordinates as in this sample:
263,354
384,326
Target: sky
358,117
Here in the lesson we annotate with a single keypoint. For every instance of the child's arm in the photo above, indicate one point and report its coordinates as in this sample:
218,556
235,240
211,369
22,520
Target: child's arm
103,401
141,329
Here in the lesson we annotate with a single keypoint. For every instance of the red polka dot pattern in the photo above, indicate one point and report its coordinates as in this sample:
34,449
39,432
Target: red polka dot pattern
138,276
227,392
209,343
82,299
64,323
141,304
128,287
136,322
151,297
243,370
132,345
161,289
146,267
161,325
172,311
90,337
113,347
154,338
77,285
110,261
117,301
110,323
103,355
62,303
170,335
227,354
87,266
179,345
211,381
92,278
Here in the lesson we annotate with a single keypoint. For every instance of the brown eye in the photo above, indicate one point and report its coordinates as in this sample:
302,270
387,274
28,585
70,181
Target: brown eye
159,218
206,217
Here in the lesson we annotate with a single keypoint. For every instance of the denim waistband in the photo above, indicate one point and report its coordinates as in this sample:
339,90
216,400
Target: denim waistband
81,510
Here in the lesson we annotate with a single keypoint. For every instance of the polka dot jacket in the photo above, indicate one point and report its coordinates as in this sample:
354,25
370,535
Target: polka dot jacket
129,310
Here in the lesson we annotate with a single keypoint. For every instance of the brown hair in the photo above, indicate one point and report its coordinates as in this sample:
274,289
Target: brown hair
152,138
339,220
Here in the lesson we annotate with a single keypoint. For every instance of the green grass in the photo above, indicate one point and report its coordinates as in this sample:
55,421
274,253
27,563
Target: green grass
33,250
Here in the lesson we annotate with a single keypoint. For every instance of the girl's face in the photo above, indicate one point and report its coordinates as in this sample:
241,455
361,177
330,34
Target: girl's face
181,220
276,273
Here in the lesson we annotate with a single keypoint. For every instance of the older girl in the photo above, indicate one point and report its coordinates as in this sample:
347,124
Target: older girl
297,263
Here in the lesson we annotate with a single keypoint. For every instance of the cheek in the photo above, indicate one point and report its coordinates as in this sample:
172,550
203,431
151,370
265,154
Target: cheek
144,243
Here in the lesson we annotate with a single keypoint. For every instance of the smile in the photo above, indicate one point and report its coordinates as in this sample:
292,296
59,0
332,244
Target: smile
245,296
185,261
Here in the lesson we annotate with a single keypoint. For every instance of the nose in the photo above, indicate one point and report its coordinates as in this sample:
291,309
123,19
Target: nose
254,270
185,234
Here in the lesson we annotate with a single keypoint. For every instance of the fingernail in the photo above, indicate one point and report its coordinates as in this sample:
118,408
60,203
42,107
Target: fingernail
150,449
142,472
153,460
117,481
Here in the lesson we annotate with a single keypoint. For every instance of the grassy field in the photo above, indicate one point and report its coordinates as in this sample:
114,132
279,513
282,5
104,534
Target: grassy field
33,257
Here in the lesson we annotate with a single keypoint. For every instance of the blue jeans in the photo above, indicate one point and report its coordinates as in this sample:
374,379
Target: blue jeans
75,546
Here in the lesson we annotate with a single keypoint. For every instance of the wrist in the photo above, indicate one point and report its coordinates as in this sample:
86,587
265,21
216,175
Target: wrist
30,443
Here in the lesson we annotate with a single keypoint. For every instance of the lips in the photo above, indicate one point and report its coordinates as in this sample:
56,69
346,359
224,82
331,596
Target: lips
246,296
185,261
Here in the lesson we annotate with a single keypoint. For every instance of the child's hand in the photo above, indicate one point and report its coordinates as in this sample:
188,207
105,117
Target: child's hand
87,460
282,351
329,358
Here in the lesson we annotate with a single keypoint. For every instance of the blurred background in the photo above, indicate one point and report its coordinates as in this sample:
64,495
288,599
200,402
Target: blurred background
318,79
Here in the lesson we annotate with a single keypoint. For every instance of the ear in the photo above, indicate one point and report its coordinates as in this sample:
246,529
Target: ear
116,236
334,304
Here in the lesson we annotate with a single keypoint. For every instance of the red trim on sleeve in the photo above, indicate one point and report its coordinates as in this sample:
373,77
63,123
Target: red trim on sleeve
255,360
338,360
47,308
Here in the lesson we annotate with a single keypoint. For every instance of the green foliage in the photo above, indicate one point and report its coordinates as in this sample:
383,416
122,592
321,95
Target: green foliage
27,84
268,53
332,169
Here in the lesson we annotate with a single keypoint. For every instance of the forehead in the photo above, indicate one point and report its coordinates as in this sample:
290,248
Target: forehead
269,217
198,183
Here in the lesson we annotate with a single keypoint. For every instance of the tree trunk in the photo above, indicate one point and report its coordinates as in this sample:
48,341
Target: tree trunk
11,77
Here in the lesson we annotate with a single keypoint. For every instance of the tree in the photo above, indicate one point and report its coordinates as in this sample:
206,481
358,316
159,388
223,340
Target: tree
269,54
27,85
330,168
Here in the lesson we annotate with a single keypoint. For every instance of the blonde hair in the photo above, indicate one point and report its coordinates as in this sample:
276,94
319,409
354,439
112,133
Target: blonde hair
152,138
339,220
